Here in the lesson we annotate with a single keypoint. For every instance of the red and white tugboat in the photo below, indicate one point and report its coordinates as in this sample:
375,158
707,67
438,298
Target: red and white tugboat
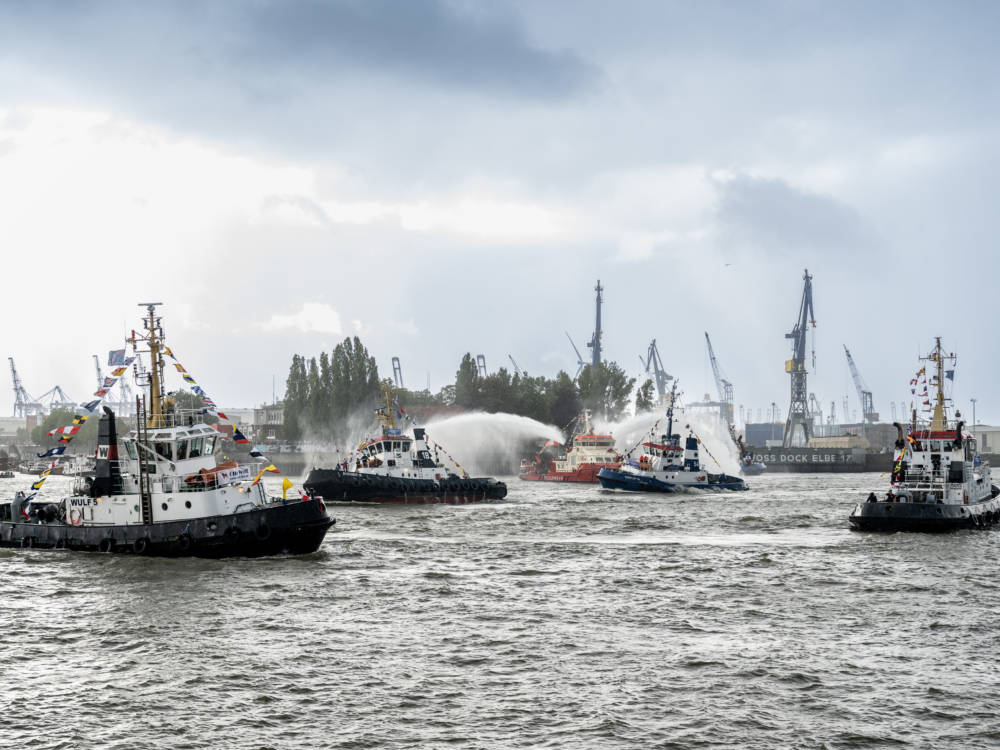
396,468
588,454
939,480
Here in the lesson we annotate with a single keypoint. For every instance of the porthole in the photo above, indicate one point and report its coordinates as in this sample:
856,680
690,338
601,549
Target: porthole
187,503
163,505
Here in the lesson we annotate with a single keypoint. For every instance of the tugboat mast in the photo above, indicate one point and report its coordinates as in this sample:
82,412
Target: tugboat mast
154,338
939,421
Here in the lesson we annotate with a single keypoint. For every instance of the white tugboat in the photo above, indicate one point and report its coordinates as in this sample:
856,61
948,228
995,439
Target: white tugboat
392,467
160,491
939,480
666,466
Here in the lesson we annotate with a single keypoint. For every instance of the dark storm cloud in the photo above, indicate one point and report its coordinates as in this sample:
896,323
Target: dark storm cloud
771,215
248,44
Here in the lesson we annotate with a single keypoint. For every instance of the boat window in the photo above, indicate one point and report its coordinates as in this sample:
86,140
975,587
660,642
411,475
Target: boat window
195,449
209,445
182,449
130,449
406,446
162,448
396,445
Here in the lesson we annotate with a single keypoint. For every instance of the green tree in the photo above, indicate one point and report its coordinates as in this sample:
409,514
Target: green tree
563,401
296,398
605,389
644,397
467,383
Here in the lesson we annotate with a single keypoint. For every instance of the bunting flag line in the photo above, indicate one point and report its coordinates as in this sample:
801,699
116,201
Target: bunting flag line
57,451
68,430
116,357
239,437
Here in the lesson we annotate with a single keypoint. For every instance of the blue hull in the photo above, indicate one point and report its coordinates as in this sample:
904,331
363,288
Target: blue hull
612,479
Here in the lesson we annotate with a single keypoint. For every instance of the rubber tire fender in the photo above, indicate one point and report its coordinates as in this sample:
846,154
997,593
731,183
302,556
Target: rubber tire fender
262,532
140,545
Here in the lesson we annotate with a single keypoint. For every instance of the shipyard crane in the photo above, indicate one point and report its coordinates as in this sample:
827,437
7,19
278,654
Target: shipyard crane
481,365
517,370
815,410
595,341
100,375
654,367
56,398
24,404
580,363
397,372
868,415
722,385
799,419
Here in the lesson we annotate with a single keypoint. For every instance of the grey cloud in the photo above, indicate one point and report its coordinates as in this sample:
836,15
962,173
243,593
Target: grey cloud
246,44
771,215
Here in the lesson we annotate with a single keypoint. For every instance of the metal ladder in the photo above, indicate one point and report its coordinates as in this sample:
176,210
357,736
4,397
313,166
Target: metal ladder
145,488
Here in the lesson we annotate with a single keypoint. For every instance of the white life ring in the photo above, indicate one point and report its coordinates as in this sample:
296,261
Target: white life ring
76,516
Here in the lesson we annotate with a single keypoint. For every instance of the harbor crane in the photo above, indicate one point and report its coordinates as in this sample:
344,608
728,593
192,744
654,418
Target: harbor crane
517,370
722,385
56,398
580,363
100,375
799,421
397,372
24,404
654,367
868,413
481,365
815,409
595,341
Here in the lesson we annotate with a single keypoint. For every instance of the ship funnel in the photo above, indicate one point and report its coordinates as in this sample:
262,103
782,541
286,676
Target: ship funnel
108,476
900,442
958,435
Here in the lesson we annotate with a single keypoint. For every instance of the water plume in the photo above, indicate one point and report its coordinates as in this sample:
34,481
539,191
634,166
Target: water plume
708,426
490,443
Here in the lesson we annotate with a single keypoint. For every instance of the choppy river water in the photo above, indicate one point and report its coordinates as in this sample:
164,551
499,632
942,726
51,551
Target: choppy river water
564,617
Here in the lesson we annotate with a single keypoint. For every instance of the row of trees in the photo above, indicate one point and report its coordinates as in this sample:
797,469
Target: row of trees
324,396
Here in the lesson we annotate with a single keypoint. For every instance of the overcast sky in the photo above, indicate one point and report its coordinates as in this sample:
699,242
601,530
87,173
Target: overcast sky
450,177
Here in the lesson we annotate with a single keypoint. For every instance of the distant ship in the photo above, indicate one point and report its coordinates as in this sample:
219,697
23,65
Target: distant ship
666,466
939,481
159,491
394,468
589,453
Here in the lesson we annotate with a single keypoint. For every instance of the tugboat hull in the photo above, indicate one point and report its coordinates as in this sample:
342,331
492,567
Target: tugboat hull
334,485
297,528
619,480
924,517
586,474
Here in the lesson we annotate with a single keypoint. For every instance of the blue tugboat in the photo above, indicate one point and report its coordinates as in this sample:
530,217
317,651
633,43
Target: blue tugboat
667,466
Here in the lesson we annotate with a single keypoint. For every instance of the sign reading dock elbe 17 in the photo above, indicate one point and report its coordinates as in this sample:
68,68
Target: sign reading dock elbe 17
239,474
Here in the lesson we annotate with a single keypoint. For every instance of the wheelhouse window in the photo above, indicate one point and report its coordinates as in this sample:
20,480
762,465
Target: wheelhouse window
396,445
194,451
406,446
130,449
209,445
163,448
182,449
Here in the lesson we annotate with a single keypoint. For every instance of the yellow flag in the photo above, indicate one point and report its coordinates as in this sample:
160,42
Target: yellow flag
257,478
286,484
